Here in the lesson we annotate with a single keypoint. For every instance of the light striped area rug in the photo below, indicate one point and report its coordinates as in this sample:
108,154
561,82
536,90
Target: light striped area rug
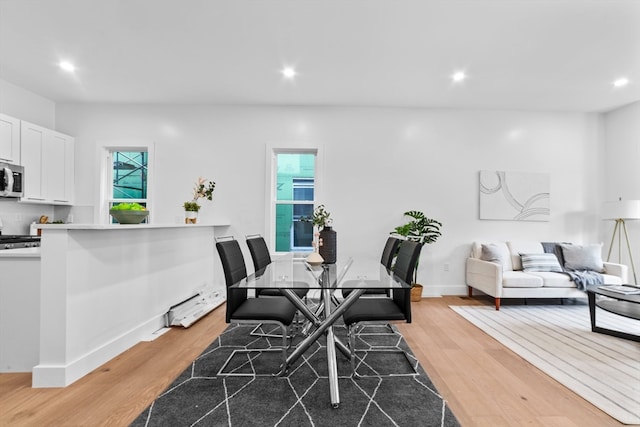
557,339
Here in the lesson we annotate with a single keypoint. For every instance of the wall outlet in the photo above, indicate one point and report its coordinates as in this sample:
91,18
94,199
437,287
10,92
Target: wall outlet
446,266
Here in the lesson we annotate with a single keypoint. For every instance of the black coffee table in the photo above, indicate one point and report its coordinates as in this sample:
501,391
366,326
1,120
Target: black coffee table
621,304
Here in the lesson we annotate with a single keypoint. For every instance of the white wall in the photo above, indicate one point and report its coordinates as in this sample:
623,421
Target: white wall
622,176
378,163
26,105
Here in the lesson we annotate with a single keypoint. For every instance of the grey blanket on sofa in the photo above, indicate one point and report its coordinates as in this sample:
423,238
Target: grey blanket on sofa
585,278
582,279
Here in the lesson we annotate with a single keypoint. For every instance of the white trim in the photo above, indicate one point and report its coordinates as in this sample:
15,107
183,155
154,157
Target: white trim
105,171
270,178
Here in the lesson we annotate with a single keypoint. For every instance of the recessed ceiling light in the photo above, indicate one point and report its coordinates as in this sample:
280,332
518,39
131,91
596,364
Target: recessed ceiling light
67,66
621,82
458,76
289,73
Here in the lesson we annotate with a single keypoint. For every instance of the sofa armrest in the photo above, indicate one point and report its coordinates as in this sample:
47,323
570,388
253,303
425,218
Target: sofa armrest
485,276
620,270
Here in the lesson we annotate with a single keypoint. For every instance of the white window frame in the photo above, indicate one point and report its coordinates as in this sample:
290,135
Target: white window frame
270,185
105,182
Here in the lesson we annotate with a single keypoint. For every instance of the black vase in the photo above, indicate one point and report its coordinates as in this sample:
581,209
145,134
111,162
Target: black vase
329,243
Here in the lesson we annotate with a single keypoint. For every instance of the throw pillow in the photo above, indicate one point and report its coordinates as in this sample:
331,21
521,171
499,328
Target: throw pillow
540,262
583,257
496,253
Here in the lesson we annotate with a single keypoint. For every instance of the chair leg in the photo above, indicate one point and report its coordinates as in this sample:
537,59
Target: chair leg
283,366
285,333
351,332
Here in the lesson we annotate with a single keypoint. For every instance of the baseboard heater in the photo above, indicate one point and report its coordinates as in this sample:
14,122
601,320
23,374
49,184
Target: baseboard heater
189,311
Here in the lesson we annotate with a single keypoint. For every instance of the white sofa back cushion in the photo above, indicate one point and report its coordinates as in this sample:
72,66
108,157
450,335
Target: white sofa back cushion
516,248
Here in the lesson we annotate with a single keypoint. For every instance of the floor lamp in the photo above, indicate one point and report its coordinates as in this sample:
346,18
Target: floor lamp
621,211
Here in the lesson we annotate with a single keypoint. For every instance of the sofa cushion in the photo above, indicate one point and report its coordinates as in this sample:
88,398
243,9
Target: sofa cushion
498,253
554,280
518,279
540,262
516,248
583,257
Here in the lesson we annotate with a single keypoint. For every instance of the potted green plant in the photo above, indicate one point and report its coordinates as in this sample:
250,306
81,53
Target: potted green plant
202,190
419,229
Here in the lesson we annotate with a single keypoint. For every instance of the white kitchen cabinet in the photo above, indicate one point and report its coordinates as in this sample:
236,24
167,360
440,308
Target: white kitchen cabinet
57,168
32,141
9,139
47,157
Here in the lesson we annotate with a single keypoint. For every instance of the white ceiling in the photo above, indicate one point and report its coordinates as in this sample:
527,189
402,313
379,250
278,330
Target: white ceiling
559,55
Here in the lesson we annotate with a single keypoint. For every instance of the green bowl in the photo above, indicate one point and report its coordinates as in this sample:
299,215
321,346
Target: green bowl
128,217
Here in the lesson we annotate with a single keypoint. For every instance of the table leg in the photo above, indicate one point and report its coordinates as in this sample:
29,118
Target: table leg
332,363
300,305
592,309
322,327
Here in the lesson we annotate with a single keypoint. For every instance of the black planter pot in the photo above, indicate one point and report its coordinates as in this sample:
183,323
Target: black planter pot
328,249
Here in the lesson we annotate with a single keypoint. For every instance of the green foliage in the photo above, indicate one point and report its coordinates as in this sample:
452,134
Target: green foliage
202,190
320,217
128,207
419,229
191,206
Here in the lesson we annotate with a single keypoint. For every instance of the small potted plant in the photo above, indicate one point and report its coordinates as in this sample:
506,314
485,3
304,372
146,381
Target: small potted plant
419,229
202,190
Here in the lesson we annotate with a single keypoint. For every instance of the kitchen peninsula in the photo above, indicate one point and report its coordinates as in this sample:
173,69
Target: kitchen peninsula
104,288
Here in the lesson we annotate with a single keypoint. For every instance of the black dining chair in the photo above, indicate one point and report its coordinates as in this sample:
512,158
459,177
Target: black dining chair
388,255
397,307
262,258
244,310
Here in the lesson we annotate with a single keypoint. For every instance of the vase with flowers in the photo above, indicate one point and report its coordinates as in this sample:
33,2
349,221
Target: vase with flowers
325,239
203,189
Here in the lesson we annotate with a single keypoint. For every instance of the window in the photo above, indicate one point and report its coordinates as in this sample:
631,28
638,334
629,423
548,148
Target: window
129,175
293,198
125,178
129,178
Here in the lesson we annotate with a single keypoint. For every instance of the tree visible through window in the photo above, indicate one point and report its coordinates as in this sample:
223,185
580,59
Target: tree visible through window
294,199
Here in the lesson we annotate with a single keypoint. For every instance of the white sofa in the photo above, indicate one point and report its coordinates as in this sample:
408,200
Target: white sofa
497,270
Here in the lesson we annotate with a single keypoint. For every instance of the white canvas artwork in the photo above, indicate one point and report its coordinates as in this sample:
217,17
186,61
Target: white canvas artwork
515,196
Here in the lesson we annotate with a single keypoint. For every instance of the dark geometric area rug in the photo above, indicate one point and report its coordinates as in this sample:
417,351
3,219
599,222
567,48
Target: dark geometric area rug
201,397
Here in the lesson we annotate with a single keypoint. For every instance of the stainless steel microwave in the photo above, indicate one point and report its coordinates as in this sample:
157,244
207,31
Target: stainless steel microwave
11,180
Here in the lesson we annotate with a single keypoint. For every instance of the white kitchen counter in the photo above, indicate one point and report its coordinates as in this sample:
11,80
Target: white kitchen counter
20,253
104,288
122,226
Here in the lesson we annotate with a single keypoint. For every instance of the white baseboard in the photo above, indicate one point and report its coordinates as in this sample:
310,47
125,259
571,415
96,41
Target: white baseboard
441,290
61,375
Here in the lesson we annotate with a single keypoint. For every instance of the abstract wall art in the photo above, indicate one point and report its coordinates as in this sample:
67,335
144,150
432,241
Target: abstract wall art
514,196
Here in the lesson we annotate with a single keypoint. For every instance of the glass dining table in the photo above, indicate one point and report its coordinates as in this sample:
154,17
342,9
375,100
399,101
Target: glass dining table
288,273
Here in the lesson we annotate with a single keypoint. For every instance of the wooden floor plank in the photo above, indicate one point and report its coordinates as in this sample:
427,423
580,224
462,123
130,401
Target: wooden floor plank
484,383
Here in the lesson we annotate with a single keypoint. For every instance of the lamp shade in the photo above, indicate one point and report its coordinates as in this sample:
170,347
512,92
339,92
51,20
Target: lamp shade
621,209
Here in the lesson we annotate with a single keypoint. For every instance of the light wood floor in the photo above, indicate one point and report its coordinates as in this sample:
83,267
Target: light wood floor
484,383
